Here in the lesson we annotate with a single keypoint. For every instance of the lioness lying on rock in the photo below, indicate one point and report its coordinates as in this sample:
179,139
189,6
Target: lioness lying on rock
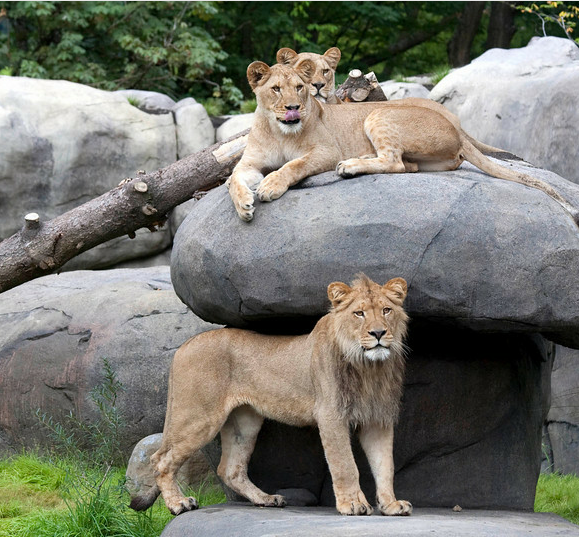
348,372
295,136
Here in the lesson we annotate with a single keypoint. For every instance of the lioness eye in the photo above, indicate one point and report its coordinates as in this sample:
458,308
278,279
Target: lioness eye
326,71
387,311
359,313
276,89
300,87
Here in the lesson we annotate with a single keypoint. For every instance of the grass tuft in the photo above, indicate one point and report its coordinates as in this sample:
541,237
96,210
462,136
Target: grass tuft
558,494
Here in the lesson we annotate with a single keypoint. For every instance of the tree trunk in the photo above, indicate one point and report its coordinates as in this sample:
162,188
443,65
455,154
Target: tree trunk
466,28
144,201
501,25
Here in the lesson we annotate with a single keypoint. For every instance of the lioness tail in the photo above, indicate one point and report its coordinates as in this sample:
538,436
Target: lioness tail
474,156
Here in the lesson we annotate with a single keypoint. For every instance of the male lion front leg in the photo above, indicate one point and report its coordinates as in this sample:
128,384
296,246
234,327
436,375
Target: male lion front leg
377,442
350,499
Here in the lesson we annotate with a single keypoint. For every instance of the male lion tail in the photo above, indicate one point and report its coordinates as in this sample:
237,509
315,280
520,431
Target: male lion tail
474,156
145,499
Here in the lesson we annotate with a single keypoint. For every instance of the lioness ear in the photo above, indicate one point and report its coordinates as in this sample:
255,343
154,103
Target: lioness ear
286,56
306,70
397,289
332,56
256,73
337,291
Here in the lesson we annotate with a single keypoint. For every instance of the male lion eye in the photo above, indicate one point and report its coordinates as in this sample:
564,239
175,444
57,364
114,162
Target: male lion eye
359,313
387,311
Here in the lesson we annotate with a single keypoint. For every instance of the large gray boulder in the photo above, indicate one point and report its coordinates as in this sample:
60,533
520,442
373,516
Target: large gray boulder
57,330
479,252
523,100
69,143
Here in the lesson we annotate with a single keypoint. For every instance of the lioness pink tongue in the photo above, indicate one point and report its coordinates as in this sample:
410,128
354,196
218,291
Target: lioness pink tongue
290,115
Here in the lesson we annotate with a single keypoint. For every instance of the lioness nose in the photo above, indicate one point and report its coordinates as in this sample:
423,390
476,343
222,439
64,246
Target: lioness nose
377,333
292,106
318,85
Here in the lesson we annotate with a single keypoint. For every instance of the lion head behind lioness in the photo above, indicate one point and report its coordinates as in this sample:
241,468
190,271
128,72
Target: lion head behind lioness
323,81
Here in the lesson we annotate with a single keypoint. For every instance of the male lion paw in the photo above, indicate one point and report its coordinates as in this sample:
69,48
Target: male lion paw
181,506
271,188
274,500
397,508
355,508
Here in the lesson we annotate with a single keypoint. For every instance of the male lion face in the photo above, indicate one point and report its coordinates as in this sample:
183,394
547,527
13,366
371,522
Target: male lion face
282,91
372,322
322,83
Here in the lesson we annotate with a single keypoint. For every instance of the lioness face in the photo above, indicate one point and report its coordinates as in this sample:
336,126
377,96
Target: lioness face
373,321
282,91
322,82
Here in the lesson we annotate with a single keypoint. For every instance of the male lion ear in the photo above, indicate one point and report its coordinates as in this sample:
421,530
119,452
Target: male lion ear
332,56
397,289
306,70
256,73
337,291
286,56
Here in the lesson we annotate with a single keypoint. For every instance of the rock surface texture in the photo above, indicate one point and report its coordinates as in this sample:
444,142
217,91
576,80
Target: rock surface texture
563,418
522,100
56,330
241,521
70,143
480,252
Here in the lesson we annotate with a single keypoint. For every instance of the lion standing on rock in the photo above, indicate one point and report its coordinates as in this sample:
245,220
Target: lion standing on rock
348,372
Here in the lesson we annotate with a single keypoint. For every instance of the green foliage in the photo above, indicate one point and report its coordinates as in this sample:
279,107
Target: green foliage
558,494
78,490
563,15
98,440
159,46
56,497
440,72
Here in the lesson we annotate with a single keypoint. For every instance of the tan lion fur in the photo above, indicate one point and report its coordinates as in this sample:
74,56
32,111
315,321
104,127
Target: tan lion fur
348,372
323,80
408,135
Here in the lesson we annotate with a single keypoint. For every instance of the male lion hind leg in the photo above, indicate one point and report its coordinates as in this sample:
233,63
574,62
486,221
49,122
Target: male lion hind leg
180,441
377,442
350,499
238,437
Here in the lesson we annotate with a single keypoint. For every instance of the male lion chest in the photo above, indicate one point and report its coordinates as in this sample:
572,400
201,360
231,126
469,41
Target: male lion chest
371,392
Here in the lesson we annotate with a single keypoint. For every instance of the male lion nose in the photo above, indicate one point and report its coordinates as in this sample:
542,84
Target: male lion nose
377,333
292,106
318,85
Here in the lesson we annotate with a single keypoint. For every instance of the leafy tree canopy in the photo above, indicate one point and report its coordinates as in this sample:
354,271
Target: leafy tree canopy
203,48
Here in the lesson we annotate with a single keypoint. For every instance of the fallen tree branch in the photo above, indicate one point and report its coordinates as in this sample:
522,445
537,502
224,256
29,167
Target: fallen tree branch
40,248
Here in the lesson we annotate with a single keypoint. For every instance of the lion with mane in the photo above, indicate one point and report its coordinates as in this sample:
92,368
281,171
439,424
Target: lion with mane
347,373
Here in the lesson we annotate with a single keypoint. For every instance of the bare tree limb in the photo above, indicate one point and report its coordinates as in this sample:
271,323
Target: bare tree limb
40,248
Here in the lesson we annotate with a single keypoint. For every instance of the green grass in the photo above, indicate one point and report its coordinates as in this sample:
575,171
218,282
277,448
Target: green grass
50,497
558,494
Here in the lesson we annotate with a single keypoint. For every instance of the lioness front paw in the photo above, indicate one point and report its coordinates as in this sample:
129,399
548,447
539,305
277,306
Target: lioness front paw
271,188
355,508
183,505
397,508
272,500
242,198
348,168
